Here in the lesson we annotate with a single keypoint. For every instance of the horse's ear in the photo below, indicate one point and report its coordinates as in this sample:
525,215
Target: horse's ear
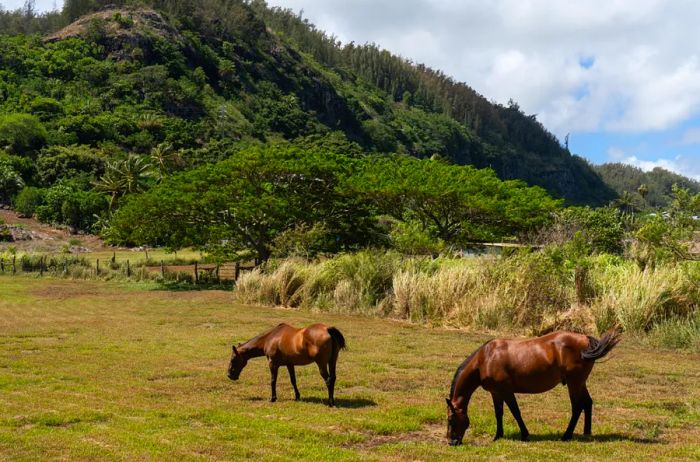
234,350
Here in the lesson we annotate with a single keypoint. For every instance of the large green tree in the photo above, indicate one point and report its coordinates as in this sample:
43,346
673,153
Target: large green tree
460,203
244,203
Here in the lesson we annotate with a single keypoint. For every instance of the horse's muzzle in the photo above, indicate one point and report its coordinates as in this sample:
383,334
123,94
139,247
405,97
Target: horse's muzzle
232,377
455,443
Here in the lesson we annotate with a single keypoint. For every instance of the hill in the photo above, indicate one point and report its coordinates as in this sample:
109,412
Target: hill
658,183
201,76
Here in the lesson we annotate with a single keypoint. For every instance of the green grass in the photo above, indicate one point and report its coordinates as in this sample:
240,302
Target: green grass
93,370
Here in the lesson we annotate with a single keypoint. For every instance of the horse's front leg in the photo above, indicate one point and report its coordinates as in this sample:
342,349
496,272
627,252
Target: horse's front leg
515,410
273,380
498,408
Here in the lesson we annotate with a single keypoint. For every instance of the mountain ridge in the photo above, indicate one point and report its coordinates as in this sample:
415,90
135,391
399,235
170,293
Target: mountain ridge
246,59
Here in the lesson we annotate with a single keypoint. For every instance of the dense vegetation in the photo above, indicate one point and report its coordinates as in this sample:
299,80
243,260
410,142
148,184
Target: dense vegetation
120,101
641,189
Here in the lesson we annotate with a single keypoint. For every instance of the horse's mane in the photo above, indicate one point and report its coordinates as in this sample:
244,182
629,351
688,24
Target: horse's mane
462,366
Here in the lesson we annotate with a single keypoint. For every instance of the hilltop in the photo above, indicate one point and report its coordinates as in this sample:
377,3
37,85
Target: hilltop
656,185
237,72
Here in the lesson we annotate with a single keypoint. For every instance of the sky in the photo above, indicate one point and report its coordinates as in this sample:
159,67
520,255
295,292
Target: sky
621,77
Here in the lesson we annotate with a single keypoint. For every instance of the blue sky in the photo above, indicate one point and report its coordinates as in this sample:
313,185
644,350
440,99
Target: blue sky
622,77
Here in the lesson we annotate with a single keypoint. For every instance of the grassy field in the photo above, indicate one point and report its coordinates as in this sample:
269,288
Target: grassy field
92,370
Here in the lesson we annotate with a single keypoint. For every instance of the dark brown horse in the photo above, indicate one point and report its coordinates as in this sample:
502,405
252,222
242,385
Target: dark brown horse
288,346
506,367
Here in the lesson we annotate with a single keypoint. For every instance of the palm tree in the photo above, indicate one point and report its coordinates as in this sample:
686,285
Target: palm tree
135,172
124,177
162,156
643,191
625,202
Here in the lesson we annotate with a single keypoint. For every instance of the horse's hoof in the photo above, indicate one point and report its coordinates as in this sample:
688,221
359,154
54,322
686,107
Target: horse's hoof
566,437
331,404
273,399
525,437
297,398
497,437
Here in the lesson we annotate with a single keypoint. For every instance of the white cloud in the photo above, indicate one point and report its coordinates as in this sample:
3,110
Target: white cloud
644,71
628,66
680,164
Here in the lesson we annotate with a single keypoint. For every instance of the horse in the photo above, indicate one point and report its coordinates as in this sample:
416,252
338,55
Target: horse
285,345
506,367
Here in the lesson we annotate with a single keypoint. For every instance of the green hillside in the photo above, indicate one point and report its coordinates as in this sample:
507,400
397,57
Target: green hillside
654,188
213,73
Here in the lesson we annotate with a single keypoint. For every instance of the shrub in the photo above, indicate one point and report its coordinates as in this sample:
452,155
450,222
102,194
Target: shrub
58,162
10,182
64,205
21,133
600,230
28,200
638,299
530,293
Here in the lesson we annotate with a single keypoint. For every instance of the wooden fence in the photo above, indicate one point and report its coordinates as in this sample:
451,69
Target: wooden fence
226,272
197,272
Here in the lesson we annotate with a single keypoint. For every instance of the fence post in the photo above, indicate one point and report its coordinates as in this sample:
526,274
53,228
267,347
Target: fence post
162,269
41,265
218,279
196,274
114,257
97,267
2,265
65,265
14,265
237,272
128,269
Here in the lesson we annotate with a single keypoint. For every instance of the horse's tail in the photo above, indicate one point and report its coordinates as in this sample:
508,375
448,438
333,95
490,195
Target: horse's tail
599,348
337,338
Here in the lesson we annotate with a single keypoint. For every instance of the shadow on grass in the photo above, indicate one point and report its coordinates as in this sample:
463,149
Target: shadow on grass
174,286
346,403
604,438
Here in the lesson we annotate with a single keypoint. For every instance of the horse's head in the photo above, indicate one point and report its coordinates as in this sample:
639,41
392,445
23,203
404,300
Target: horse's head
236,365
457,424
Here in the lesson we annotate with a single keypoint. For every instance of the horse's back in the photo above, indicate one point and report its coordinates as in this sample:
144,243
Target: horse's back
531,365
299,346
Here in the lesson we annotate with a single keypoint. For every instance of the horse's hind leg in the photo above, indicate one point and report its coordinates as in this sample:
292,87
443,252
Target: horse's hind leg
293,379
498,409
331,378
587,411
515,410
323,369
577,395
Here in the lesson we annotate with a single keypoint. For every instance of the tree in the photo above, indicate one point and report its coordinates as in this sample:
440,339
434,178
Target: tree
10,182
21,133
460,204
124,177
643,191
244,203
73,9
163,157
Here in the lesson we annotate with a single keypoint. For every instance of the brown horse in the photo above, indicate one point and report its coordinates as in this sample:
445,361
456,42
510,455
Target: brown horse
506,367
288,346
